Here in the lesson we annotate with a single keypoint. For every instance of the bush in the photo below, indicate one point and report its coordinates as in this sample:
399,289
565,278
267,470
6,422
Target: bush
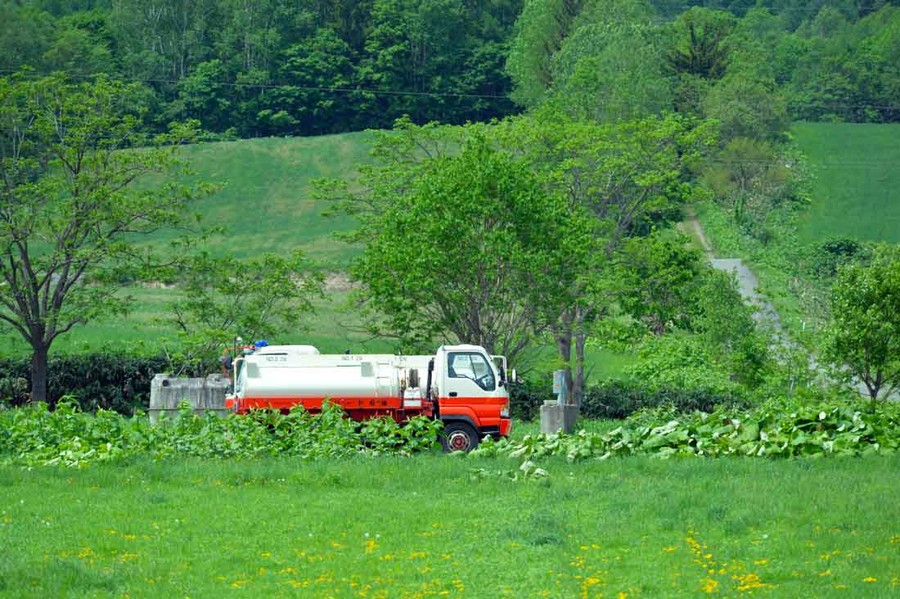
616,400
620,399
96,381
525,399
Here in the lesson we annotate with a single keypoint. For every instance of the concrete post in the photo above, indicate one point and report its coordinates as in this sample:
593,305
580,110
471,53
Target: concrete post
559,415
167,393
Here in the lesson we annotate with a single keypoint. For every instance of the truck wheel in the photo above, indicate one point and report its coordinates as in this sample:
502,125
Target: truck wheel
459,436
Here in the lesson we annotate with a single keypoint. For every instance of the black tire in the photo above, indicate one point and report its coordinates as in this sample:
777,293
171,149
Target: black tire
459,436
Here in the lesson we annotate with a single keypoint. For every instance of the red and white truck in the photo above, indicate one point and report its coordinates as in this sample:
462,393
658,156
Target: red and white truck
461,385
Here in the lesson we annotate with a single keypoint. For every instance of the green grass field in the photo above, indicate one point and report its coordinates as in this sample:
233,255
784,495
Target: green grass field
434,525
857,175
265,200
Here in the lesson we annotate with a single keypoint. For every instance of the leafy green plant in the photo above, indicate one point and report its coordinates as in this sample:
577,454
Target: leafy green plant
67,436
775,429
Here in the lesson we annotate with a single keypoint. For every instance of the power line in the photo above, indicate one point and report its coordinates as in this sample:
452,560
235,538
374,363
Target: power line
282,86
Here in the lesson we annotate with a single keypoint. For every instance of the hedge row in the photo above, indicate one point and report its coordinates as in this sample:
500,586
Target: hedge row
122,384
617,400
108,381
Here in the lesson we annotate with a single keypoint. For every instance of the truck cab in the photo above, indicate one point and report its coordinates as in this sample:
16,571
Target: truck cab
471,395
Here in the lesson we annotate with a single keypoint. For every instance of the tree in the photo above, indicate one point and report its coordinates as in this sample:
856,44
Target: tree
540,30
659,274
223,296
461,241
624,175
864,335
611,72
73,203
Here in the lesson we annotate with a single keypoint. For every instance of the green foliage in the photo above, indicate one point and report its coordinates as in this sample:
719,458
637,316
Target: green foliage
69,437
461,240
658,275
700,47
617,400
864,336
749,177
826,258
76,194
96,381
223,297
540,29
610,72
777,429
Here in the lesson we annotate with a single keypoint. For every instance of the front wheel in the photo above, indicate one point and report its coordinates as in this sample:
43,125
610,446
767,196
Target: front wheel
459,436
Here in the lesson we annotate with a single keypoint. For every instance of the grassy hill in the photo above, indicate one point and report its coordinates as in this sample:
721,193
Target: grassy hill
264,202
856,170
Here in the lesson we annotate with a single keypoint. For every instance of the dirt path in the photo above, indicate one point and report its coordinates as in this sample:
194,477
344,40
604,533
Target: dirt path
748,285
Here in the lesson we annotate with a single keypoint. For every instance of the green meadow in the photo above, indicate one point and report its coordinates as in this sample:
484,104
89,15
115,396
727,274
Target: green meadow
856,177
439,526
264,198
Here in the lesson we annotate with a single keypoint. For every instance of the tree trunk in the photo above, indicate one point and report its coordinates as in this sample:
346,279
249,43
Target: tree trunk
578,382
39,372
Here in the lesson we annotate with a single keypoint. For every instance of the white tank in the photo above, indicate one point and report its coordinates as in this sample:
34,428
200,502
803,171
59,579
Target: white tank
286,372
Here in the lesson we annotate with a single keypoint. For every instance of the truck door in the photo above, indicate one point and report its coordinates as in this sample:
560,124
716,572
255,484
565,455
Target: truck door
469,374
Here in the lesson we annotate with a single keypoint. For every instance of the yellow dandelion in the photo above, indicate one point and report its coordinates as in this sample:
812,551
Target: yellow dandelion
870,579
710,585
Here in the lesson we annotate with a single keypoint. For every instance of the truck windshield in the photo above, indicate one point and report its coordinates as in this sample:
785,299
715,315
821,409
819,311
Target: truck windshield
474,366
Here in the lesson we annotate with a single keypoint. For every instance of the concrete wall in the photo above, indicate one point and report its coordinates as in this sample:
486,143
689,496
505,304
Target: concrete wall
167,392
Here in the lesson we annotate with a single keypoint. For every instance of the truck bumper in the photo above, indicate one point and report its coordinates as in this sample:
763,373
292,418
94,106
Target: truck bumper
505,427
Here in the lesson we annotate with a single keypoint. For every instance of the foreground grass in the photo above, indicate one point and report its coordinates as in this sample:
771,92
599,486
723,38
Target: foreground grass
443,526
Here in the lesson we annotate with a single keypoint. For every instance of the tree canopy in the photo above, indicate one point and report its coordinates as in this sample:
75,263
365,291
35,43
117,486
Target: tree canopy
864,336
74,203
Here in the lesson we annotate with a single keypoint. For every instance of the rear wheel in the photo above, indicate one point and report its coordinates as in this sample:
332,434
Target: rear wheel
459,436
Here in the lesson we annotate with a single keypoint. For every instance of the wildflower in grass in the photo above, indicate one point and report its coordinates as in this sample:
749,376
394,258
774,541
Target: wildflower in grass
749,582
126,557
670,549
588,583
870,579
265,555
761,562
371,545
825,573
710,585
236,584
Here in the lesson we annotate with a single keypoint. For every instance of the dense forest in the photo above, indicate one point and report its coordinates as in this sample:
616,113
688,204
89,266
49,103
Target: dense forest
307,67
